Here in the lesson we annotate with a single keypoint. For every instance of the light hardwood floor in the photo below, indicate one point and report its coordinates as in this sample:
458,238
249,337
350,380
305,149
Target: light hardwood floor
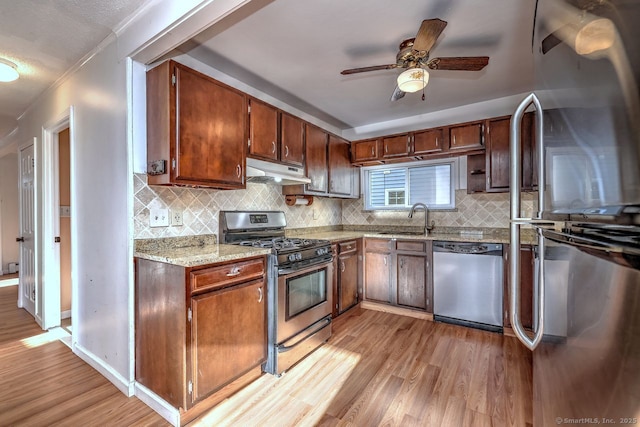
385,369
377,369
42,383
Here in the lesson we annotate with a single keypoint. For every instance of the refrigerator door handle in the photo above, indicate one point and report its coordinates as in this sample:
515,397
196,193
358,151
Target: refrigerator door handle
516,222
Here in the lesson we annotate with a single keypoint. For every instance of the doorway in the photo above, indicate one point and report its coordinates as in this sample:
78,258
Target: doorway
64,209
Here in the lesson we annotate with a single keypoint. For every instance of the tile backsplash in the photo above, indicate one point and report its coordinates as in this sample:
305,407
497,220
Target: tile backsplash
200,209
472,210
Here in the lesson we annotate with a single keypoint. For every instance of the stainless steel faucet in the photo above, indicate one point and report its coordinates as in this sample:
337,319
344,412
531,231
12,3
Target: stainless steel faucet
427,227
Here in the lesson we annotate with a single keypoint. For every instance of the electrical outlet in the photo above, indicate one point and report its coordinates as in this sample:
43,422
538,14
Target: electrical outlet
159,218
176,217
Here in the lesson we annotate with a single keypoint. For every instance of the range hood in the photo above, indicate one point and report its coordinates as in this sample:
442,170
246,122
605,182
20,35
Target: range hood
274,173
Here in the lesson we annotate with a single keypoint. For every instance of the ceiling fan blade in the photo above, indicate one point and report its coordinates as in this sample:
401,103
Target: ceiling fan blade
365,69
461,63
397,94
428,34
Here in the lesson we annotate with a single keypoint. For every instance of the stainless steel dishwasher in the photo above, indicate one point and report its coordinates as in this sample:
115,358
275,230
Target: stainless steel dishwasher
467,284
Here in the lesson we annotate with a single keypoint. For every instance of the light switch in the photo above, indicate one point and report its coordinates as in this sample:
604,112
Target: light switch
159,218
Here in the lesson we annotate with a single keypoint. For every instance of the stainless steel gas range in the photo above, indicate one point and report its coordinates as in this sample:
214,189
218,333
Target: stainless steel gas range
300,283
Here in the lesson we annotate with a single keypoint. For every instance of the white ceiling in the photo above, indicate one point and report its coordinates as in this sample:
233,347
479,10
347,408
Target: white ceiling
294,51
45,38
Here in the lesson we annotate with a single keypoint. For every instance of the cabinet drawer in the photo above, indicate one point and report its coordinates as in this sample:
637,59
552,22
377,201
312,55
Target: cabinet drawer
227,274
346,247
411,245
383,245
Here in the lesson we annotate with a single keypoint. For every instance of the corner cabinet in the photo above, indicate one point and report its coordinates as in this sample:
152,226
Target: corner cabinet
201,332
328,166
196,129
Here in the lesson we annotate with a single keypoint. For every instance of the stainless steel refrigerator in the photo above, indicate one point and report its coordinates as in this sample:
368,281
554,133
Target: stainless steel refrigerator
586,335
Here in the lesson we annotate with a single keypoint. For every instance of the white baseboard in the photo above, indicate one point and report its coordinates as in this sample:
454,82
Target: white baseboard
105,370
65,314
158,404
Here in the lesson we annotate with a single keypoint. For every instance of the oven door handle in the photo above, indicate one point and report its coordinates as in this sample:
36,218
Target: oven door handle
324,260
314,329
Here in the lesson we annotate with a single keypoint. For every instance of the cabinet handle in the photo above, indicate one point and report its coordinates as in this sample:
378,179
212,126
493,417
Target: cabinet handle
260,295
342,267
386,148
286,151
385,260
349,247
273,146
401,263
437,142
454,139
234,272
373,151
238,170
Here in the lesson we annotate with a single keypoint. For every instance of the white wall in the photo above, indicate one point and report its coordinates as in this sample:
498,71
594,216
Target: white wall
9,221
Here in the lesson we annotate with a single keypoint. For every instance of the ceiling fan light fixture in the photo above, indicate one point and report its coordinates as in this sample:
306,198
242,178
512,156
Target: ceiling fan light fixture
8,71
413,80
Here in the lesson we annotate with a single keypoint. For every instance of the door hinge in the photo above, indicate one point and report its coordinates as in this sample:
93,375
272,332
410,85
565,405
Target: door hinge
173,79
189,314
56,239
173,163
33,162
190,386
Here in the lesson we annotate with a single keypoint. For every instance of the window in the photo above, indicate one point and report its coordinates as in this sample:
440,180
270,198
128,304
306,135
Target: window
400,186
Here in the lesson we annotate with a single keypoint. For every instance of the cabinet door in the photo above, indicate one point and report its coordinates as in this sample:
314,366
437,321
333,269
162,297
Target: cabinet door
316,148
340,169
428,141
498,159
377,277
348,281
466,137
211,131
527,266
396,146
412,281
364,150
292,140
263,130
228,335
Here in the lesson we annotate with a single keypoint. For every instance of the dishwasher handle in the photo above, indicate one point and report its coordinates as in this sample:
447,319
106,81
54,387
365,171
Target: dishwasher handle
494,249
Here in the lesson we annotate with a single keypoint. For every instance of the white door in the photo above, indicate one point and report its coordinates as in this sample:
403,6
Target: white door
27,285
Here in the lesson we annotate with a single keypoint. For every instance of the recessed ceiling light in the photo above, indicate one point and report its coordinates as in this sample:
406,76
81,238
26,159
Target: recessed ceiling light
8,71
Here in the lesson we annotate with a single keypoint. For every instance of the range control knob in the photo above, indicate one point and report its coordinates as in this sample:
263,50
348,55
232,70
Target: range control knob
295,257
322,251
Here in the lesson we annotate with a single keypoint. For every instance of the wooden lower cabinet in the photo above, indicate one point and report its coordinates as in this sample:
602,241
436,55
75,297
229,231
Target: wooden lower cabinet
397,273
377,276
227,335
527,266
411,280
198,344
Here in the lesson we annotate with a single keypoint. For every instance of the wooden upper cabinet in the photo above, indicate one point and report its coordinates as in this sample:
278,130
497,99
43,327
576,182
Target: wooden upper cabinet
363,151
396,146
428,141
263,130
316,150
197,127
340,169
466,137
498,154
292,140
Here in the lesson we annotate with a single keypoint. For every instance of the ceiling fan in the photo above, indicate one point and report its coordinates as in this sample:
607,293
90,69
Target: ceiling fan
413,54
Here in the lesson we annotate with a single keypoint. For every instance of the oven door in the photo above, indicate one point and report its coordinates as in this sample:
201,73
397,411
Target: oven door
304,297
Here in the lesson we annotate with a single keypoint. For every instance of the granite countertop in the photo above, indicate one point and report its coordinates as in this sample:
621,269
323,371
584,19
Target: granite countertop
496,235
192,251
